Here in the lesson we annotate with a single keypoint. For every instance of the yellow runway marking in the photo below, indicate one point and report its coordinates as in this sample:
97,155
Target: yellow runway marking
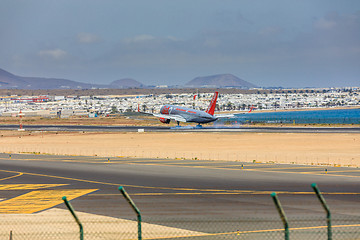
189,164
176,162
28,186
55,160
283,168
164,188
155,162
171,163
330,171
240,193
115,184
36,201
17,175
125,185
316,169
33,159
231,192
158,163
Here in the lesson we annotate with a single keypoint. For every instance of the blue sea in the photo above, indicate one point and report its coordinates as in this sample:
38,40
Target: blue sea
340,116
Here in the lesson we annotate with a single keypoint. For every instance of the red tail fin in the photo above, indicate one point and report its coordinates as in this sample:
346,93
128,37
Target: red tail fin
211,108
252,107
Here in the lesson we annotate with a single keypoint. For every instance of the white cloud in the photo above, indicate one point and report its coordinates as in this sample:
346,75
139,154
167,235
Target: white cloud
87,38
53,53
325,24
172,38
268,31
212,43
145,38
140,38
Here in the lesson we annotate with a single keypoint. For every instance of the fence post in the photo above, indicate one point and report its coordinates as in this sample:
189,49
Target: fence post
282,215
136,210
68,205
326,208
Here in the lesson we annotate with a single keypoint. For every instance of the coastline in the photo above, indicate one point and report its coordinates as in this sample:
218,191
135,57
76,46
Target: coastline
293,110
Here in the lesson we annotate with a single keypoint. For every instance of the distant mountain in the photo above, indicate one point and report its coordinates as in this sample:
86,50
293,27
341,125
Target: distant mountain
11,81
220,80
8,80
126,83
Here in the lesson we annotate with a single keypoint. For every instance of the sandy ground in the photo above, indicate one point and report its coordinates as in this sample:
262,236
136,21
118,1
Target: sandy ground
338,149
59,224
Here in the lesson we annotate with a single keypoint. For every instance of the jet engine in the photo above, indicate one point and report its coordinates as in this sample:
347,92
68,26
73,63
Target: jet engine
164,120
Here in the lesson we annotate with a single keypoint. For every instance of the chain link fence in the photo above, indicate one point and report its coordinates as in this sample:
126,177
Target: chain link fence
63,222
59,224
107,215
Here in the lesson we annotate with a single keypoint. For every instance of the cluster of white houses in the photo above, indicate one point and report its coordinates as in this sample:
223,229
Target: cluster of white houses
92,106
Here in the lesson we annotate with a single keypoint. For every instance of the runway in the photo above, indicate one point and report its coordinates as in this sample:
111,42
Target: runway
153,178
239,128
175,189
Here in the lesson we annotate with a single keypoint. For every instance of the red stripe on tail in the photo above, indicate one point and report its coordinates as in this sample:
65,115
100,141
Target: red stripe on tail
211,109
252,107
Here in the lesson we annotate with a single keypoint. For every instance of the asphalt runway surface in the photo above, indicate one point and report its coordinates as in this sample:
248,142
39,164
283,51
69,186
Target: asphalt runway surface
185,188
188,194
238,128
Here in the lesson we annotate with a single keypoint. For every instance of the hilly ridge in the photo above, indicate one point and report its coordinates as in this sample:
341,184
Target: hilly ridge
220,80
12,81
126,83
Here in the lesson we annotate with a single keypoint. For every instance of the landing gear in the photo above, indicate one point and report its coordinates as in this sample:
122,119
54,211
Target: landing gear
178,125
198,126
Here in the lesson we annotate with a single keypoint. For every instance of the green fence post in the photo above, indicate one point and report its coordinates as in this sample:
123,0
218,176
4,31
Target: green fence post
68,205
326,208
132,204
282,214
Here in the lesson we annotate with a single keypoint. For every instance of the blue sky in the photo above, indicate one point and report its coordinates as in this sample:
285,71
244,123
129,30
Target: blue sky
287,43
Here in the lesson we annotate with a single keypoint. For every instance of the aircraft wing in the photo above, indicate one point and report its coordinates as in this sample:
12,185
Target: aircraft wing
165,116
224,115
171,116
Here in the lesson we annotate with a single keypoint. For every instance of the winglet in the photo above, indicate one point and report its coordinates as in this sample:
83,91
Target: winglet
211,109
252,107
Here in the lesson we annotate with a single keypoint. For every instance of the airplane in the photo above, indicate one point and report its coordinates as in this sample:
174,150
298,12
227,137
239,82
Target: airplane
183,114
